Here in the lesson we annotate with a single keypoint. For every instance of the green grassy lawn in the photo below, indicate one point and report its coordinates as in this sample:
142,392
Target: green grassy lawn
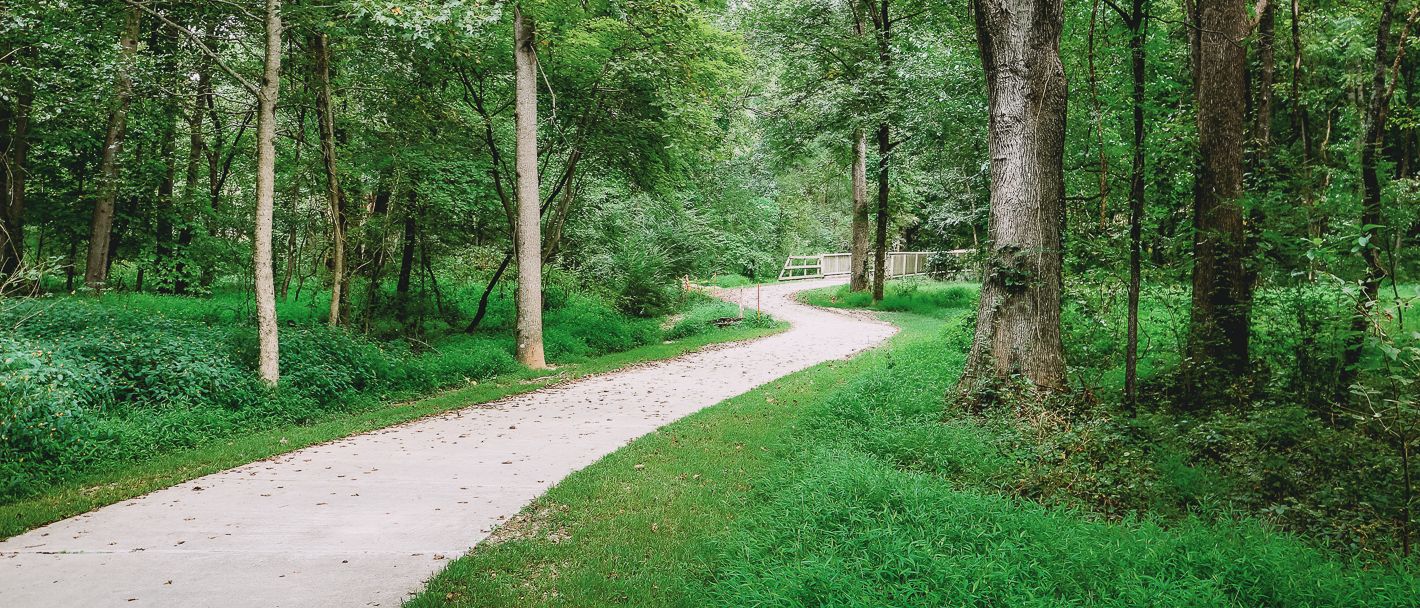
121,480
858,484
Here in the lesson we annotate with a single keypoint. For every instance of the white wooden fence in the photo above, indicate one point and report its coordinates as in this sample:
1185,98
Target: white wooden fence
824,265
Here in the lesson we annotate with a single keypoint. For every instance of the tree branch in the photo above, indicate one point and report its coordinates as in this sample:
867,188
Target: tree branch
201,46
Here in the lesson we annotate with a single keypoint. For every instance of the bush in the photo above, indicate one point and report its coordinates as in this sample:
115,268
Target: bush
645,284
46,401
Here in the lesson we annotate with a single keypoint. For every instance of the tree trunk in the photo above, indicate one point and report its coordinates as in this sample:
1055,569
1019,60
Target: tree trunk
1018,324
1138,27
528,242
196,149
1266,78
1099,119
1218,327
881,241
1371,212
320,62
163,225
265,291
101,226
406,258
15,151
858,258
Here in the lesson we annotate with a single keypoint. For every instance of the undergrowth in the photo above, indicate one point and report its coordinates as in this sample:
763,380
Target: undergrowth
89,383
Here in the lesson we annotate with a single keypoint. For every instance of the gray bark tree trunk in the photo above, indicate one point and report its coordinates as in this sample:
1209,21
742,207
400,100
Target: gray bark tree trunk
265,288
528,231
320,55
1218,337
858,275
1018,324
101,225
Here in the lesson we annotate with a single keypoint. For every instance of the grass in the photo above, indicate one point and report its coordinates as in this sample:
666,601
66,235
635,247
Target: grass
226,447
732,280
917,296
857,484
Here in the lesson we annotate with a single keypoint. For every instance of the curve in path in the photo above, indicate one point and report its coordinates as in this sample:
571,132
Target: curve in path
365,520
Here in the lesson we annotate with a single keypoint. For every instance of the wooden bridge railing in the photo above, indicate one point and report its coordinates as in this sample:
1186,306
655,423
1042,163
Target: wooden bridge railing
824,265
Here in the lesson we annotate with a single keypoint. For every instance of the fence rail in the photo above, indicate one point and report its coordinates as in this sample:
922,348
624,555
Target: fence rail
824,265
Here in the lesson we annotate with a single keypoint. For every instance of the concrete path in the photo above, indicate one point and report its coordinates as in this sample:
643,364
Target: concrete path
364,521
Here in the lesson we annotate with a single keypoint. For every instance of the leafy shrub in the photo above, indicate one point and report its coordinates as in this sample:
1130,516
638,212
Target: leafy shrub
645,283
46,401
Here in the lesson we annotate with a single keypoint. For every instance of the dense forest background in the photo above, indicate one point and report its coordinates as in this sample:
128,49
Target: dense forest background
710,139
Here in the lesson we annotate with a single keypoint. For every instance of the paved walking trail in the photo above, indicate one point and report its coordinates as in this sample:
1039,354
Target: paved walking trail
364,521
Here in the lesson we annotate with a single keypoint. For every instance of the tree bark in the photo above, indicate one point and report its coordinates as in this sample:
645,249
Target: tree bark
101,225
883,22
265,289
1099,119
1222,292
320,63
16,151
858,258
1137,20
1372,216
881,241
528,242
406,258
1266,78
1018,323
196,149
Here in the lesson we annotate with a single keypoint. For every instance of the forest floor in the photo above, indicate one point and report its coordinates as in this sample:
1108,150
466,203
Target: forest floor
365,520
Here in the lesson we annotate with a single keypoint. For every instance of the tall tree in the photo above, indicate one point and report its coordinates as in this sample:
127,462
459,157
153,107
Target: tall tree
319,45
1018,323
1136,18
528,237
882,24
101,225
858,257
1383,81
265,289
1222,290
14,152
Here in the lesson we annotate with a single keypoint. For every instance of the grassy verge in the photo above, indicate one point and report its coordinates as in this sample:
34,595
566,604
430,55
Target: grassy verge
127,480
855,484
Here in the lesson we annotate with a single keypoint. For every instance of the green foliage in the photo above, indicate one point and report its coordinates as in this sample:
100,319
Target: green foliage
861,532
702,312
930,298
89,383
855,484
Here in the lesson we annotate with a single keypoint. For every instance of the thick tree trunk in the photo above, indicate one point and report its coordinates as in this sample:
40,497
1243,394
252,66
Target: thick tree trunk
320,62
528,242
858,258
270,367
1018,324
1138,26
12,207
1222,291
101,226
